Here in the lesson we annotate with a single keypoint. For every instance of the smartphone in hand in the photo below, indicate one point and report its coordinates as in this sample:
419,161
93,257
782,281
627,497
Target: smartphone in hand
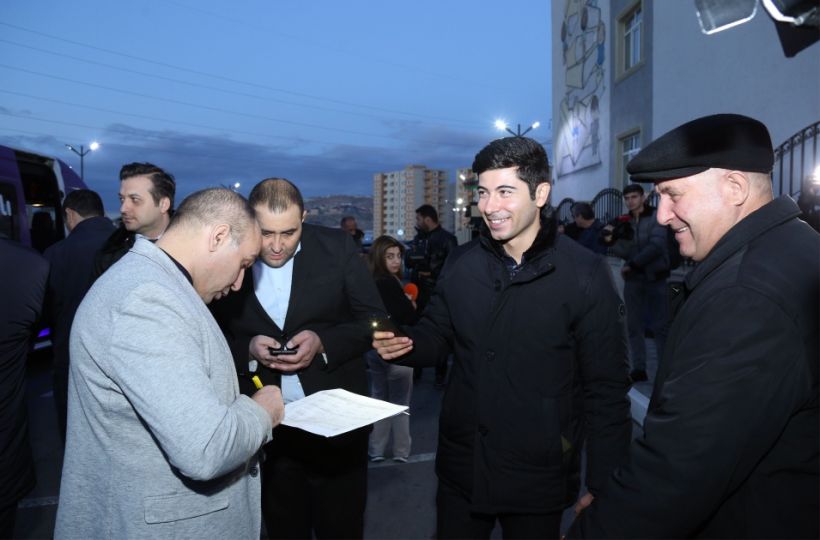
385,324
283,350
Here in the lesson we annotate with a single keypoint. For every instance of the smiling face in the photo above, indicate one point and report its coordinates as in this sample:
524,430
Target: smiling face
281,232
512,216
699,210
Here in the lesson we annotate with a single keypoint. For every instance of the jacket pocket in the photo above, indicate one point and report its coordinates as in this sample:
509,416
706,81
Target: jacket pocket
179,506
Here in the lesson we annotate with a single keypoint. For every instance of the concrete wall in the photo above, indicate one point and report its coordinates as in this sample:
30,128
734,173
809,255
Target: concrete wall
581,60
631,93
740,70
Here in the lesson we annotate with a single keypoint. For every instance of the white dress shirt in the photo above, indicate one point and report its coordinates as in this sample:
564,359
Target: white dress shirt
272,287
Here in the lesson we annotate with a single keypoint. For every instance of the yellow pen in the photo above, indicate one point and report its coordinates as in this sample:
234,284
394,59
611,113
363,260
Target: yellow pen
257,382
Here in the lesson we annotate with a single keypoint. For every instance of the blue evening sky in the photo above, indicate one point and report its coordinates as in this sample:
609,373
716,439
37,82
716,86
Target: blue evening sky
322,92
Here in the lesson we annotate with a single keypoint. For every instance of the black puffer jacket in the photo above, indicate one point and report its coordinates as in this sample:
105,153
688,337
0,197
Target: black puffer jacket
540,365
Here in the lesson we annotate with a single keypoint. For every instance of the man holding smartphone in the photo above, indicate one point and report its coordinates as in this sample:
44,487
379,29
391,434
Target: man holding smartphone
301,321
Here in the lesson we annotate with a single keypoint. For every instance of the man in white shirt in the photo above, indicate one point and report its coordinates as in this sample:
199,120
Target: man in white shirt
300,320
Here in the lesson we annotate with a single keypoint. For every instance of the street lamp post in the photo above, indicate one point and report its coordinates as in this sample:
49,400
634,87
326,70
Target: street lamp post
82,153
502,125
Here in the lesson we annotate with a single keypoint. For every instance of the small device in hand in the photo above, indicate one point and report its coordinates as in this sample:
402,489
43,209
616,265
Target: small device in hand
384,324
282,350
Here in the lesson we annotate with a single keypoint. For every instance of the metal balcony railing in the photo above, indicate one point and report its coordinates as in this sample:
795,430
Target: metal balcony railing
795,161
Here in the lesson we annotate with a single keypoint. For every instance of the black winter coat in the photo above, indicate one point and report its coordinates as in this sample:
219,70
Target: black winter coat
540,365
72,274
23,279
732,436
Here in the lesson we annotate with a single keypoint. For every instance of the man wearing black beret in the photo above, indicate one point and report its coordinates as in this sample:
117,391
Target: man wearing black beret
731,438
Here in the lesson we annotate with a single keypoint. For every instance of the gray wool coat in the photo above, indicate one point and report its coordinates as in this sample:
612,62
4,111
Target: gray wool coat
160,442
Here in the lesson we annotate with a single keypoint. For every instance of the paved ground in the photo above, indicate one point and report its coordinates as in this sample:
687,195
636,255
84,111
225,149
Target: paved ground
401,496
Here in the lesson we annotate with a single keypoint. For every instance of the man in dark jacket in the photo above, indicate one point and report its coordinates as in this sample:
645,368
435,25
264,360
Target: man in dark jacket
645,269
425,259
587,230
309,291
732,435
537,331
146,204
72,273
23,277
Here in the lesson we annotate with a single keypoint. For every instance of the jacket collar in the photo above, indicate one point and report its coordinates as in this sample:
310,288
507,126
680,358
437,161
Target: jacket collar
94,222
755,224
544,241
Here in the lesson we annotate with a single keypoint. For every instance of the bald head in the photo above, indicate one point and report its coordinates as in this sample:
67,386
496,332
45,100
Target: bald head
215,206
215,237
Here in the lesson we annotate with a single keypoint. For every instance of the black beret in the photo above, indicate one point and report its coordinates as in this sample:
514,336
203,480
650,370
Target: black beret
725,141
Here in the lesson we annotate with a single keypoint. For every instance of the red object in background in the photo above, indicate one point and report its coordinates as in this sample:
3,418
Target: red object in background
412,291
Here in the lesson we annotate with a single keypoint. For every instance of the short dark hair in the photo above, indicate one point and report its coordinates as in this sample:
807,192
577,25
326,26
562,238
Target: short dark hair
427,210
216,205
163,182
345,219
85,202
527,155
634,188
378,251
277,194
584,210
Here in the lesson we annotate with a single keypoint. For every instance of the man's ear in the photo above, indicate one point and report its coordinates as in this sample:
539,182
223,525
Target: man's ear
219,236
737,187
70,218
542,194
164,205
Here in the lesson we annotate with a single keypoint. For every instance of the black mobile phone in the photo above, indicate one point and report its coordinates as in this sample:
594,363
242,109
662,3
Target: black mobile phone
385,324
282,350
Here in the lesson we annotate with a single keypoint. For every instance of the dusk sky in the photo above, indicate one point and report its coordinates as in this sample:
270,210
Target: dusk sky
324,93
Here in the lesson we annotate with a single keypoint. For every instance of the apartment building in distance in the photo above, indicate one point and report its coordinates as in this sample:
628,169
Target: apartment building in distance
465,201
397,194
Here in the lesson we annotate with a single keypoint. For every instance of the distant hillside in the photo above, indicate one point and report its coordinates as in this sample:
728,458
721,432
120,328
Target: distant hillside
328,211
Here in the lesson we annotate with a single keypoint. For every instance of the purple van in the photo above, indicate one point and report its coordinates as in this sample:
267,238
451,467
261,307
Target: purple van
32,188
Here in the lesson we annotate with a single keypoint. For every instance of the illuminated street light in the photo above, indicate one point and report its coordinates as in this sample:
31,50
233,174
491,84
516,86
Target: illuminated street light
502,125
82,153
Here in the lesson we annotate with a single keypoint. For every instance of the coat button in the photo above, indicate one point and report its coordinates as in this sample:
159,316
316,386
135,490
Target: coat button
490,355
254,471
482,429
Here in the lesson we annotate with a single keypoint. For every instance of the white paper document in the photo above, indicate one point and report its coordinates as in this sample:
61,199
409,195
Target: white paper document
337,411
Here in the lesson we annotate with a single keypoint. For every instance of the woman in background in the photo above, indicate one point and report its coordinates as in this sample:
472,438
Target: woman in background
390,382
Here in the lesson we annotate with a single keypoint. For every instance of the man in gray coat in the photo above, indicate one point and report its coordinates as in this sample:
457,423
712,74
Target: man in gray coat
160,442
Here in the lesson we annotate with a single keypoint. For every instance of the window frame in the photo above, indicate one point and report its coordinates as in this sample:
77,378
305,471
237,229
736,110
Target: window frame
627,29
625,156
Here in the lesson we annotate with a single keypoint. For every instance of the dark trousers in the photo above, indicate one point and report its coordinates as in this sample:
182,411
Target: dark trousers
643,297
455,520
7,516
314,485
61,394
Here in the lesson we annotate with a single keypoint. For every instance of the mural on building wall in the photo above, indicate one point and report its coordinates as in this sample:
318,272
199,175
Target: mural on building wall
583,37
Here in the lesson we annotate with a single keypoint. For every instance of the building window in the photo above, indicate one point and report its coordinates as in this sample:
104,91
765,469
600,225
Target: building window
630,145
631,31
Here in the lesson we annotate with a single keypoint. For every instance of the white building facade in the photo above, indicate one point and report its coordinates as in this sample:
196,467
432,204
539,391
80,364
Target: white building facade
627,71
